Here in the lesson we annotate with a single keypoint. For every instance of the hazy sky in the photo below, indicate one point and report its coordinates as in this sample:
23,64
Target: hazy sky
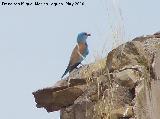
36,43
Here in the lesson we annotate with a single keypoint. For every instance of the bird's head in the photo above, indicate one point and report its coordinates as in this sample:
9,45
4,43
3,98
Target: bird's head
82,37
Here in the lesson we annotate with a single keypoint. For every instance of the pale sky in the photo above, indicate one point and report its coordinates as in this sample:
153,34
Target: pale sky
36,43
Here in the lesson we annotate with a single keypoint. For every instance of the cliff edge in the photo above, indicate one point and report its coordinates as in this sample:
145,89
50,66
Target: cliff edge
124,85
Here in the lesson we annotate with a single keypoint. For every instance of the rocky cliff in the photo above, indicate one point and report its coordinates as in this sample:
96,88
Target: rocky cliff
124,85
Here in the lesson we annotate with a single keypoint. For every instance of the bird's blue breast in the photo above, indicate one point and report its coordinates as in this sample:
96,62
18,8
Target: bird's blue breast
86,52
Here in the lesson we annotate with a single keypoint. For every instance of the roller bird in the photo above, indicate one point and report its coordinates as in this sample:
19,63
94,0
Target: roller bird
79,53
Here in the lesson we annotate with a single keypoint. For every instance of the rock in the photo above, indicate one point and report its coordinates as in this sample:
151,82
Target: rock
157,35
63,94
124,85
128,77
122,113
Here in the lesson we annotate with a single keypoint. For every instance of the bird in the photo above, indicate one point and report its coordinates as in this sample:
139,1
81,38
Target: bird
79,52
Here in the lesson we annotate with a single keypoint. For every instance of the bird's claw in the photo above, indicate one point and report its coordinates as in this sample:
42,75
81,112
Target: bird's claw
82,64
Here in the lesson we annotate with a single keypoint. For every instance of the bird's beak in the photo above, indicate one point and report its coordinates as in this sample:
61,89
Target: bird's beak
88,34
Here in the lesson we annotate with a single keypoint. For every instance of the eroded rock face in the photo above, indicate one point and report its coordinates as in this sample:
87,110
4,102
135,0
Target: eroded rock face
61,95
125,84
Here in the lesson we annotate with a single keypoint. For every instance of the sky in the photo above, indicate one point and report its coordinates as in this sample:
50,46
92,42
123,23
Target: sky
36,43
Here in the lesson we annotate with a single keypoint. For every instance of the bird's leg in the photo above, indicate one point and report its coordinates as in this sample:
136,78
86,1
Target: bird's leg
82,64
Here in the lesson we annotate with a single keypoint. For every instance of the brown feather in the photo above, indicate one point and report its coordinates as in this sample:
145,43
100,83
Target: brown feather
75,56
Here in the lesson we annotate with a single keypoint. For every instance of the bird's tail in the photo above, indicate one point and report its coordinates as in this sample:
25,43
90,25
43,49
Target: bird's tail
66,71
70,69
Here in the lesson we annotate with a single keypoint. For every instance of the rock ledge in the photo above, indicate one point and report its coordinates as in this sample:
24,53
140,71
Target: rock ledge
124,85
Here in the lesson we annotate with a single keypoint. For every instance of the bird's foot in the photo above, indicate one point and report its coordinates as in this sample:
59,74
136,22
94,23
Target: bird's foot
82,64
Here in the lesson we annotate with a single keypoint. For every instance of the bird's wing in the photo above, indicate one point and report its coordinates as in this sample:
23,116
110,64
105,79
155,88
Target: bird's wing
75,56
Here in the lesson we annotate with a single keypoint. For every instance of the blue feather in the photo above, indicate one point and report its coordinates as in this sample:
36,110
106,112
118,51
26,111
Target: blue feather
81,38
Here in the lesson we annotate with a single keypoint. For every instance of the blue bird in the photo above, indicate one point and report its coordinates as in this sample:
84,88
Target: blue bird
79,52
